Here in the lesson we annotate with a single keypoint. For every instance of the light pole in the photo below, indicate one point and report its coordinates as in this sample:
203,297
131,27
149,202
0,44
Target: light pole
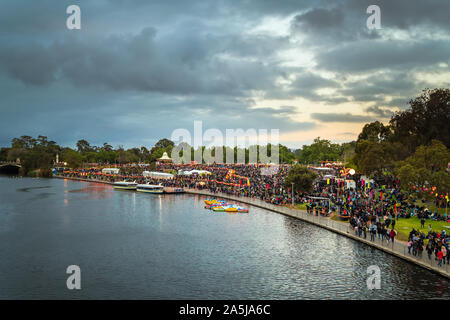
292,194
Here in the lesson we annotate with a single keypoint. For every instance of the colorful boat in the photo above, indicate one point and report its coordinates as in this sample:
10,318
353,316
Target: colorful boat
125,185
211,206
214,202
219,208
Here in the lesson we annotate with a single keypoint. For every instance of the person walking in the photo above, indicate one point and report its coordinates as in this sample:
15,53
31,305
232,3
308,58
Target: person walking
409,246
392,234
372,230
440,256
422,222
444,253
448,254
429,249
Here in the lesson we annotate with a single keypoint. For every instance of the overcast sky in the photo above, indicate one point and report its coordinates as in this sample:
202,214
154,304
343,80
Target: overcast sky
139,69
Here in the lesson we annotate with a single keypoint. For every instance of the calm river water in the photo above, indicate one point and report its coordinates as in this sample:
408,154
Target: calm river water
140,246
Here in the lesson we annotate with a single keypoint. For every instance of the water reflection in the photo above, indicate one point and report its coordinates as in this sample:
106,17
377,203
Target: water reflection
142,246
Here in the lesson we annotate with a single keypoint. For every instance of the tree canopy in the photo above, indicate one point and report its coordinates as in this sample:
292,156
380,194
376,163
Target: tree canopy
301,177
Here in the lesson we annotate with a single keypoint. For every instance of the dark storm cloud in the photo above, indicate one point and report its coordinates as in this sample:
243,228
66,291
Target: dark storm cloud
138,62
138,69
404,14
372,55
306,84
380,112
341,117
325,26
381,85
345,20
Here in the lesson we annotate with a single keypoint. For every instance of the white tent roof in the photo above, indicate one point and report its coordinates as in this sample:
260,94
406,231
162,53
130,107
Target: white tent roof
193,172
154,174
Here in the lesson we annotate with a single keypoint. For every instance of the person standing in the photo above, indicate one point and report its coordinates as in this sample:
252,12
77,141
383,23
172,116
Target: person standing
444,253
440,256
429,249
372,230
392,235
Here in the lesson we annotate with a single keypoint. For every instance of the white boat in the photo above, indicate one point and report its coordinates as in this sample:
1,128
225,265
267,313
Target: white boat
150,188
125,185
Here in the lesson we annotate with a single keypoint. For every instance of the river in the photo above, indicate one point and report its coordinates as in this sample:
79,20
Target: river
140,246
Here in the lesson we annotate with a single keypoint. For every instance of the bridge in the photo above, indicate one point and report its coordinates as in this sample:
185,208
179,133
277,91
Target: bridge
9,167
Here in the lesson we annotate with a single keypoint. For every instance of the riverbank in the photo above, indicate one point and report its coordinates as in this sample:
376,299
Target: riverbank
398,249
82,179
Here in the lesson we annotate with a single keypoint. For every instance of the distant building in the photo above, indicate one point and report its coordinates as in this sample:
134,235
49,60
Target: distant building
165,158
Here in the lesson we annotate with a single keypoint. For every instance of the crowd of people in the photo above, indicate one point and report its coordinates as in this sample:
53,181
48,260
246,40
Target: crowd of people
371,206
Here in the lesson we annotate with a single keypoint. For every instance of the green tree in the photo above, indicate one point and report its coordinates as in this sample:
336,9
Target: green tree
427,168
427,119
320,150
72,157
83,146
375,132
302,177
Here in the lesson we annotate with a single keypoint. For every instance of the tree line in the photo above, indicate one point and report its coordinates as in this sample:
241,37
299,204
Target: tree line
413,146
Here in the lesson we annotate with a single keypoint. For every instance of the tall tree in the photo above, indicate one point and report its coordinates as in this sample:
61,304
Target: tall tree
302,177
83,146
427,119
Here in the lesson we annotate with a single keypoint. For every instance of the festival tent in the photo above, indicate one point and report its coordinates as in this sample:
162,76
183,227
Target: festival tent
111,170
188,173
321,168
158,175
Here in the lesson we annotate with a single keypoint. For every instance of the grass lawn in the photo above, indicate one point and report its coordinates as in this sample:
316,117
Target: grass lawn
404,225
300,206
432,207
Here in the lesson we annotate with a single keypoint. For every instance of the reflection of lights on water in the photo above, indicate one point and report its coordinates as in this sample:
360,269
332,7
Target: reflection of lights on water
66,220
133,197
160,210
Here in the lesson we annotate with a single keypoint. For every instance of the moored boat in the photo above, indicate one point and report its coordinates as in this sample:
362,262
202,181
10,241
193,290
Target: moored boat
125,185
150,188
